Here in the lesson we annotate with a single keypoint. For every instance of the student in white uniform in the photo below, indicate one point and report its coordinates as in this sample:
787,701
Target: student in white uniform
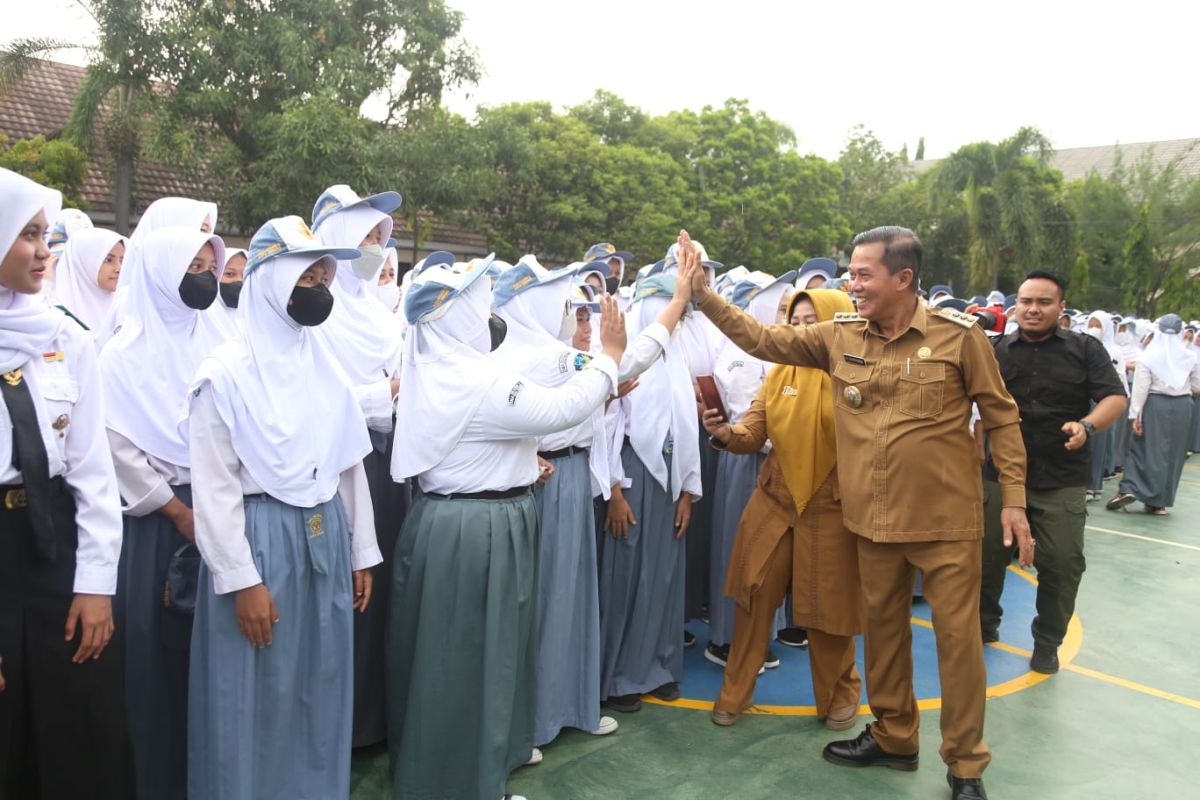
462,643
146,369
284,522
365,338
87,272
223,313
60,535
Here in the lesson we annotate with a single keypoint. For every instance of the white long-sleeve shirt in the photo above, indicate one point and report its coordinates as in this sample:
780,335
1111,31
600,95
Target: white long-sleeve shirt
220,485
1146,383
66,393
498,449
144,481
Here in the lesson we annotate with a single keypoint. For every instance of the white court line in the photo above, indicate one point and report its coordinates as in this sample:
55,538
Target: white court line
1143,538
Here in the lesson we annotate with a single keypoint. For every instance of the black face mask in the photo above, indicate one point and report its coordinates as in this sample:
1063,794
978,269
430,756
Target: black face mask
230,293
198,290
498,329
612,284
310,305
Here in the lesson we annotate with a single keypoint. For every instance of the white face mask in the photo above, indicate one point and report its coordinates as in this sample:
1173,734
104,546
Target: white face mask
1095,333
566,330
389,295
1124,338
368,264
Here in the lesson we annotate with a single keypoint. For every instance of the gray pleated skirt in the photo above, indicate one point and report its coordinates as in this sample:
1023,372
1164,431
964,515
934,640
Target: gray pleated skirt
1156,459
1194,438
567,684
737,476
460,648
641,592
698,541
157,640
275,723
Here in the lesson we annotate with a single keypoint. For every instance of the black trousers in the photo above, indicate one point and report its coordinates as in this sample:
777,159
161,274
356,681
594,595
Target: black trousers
62,726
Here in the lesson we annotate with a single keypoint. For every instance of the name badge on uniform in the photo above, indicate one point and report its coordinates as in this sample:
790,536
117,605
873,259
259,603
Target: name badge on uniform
790,391
859,360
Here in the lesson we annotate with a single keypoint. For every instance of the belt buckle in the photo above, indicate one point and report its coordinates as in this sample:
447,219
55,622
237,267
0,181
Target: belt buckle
15,498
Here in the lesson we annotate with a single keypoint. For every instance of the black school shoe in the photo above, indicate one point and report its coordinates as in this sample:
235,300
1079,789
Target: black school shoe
689,638
965,788
1044,660
717,654
793,637
668,692
625,703
866,752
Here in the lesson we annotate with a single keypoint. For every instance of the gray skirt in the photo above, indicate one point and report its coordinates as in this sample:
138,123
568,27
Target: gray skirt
1156,458
641,592
460,648
275,722
567,693
1194,439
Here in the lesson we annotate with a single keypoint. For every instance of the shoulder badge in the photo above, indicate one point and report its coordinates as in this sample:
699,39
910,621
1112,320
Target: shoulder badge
957,317
847,316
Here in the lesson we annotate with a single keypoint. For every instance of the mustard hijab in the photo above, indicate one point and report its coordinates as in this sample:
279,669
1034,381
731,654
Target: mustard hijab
799,404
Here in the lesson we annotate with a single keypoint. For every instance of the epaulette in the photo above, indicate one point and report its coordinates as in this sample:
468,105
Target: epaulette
67,311
957,317
847,316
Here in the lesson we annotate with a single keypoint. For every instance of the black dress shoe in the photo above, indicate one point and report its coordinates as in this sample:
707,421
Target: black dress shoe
990,635
668,692
1045,659
625,703
965,788
866,752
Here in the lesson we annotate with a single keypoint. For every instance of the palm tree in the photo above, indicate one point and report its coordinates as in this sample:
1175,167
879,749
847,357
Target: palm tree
115,81
1009,193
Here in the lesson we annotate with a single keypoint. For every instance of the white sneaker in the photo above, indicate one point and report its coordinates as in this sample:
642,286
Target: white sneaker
607,725
513,797
535,758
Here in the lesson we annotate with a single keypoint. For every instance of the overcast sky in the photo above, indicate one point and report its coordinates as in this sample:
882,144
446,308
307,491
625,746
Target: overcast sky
954,72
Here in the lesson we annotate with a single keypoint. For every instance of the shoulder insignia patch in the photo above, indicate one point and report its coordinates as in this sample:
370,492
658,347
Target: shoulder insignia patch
581,361
516,390
847,316
957,317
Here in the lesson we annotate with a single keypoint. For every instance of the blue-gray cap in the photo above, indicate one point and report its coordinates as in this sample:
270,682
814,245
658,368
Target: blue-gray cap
438,286
1170,323
340,197
289,236
523,276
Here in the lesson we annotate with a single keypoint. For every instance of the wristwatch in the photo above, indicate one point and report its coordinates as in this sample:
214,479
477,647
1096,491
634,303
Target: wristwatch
1088,427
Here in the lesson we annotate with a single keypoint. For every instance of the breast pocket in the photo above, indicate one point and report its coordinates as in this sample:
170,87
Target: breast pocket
850,384
920,390
59,395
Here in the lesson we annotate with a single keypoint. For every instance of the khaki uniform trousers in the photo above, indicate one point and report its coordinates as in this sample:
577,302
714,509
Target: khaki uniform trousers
951,585
836,683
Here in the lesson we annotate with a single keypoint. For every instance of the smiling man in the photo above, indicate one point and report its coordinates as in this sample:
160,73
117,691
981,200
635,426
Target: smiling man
904,379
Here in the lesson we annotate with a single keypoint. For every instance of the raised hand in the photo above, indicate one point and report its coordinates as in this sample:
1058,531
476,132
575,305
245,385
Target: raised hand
612,328
691,271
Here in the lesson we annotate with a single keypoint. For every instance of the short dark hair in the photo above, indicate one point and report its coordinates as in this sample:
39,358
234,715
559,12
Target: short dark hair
1046,275
901,248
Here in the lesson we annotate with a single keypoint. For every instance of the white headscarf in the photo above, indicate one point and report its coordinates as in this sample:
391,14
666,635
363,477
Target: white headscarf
362,335
663,404
389,293
737,373
27,326
78,270
296,425
1108,331
147,367
220,320
447,371
1169,358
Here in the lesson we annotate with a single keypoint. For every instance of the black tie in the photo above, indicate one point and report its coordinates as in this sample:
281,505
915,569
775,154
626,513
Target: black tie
29,456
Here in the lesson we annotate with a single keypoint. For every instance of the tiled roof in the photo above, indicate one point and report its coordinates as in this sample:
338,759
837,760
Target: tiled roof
1079,162
41,104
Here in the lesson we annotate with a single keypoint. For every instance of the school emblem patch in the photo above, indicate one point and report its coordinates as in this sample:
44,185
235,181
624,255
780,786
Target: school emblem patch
581,361
316,526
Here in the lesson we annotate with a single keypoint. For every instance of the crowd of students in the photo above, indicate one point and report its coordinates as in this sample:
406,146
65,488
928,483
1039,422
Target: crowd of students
285,505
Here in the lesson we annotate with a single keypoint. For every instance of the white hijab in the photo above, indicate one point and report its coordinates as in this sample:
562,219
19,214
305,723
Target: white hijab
737,373
1108,331
389,293
147,367
362,335
221,320
27,326
296,425
447,371
663,404
1169,358
77,273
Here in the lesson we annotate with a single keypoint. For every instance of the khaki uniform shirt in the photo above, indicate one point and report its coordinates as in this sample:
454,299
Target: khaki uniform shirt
908,466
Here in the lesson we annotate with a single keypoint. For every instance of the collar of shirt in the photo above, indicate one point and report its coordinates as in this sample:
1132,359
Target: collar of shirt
919,323
1059,333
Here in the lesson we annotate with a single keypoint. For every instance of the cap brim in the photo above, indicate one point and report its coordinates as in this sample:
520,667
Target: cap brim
387,202
338,253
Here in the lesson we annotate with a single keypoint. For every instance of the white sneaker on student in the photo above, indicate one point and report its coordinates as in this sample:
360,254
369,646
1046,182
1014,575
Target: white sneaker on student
535,758
607,725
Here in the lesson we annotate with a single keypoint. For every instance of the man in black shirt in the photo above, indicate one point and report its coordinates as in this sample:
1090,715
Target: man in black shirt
1066,389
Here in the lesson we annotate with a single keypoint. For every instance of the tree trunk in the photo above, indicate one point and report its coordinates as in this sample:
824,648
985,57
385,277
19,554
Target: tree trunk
416,237
123,194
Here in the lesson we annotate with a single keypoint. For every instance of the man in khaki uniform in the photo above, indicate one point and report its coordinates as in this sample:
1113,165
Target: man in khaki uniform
904,378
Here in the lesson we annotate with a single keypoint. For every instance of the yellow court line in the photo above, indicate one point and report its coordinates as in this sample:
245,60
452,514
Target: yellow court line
1142,538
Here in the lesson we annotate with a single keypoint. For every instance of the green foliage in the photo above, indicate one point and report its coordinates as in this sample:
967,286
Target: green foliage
55,163
869,173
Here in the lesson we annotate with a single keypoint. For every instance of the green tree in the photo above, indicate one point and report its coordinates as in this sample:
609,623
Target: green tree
55,163
869,172
1104,212
1009,193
